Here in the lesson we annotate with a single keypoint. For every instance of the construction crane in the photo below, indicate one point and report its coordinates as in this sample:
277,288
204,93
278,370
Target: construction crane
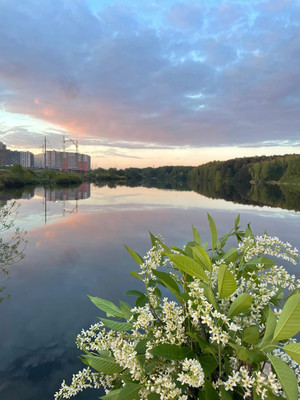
75,142
65,166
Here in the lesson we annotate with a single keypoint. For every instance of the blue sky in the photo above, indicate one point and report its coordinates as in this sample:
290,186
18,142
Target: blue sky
152,82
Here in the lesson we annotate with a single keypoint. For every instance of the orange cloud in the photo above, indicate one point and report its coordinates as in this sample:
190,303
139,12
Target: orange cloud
48,111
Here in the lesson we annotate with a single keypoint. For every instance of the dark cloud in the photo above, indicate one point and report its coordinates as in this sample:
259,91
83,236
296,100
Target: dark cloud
218,74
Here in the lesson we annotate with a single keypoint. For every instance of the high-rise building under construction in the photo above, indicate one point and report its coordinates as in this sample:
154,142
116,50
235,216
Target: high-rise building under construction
63,161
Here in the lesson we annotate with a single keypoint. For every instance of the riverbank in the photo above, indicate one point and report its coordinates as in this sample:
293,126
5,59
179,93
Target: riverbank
17,177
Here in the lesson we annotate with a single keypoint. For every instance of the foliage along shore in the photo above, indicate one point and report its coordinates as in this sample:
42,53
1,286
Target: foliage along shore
17,176
254,170
282,170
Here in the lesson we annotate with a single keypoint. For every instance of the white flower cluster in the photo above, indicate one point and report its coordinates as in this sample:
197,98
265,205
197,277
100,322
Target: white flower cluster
122,345
202,312
162,383
82,380
268,245
152,261
261,382
192,374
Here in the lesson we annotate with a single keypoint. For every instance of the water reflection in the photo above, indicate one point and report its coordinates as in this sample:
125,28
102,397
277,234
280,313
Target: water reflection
83,253
12,243
282,196
81,192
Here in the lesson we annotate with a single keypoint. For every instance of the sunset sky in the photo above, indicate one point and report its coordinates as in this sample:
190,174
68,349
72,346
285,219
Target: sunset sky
149,83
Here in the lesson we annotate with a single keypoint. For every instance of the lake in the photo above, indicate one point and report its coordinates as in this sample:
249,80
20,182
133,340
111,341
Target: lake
75,248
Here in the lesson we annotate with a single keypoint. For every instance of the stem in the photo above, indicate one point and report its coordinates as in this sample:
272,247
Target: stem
151,306
202,330
220,359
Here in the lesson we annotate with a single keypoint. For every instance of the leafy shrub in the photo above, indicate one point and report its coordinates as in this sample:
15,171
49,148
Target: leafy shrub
66,179
227,333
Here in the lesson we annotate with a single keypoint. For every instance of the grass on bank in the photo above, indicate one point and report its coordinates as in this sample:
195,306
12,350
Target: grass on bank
17,176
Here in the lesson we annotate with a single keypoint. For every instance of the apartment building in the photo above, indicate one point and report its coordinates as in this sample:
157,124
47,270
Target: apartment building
63,161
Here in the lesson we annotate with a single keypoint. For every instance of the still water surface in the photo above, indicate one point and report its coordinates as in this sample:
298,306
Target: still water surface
76,248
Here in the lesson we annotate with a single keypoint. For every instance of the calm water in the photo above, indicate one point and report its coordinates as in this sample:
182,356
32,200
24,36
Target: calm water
75,248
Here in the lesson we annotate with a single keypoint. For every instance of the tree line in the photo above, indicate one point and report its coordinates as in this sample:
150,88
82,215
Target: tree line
280,169
235,171
173,177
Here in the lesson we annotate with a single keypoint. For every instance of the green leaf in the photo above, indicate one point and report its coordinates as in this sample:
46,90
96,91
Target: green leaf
208,363
236,222
141,347
267,262
226,283
150,366
106,365
167,280
177,249
231,255
288,323
204,345
201,395
107,306
210,391
257,356
196,236
293,350
130,391
136,275
251,334
188,249
222,241
166,248
189,266
270,328
240,305
202,257
126,309
213,232
171,351
243,353
153,239
153,396
117,326
209,294
226,395
141,301
277,298
286,377
248,232
246,355
141,359
135,256
112,395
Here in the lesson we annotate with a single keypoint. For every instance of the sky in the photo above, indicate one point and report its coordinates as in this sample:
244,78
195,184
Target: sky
150,83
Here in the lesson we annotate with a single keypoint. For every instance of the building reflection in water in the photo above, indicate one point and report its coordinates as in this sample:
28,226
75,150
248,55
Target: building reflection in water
78,193
62,195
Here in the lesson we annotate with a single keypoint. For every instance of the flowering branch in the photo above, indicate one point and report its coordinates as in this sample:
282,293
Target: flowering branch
228,323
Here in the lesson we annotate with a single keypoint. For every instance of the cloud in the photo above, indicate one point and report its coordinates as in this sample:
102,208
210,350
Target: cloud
23,137
220,74
123,144
185,16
